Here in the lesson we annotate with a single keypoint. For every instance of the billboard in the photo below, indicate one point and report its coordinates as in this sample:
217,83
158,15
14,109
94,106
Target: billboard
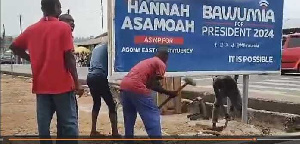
203,36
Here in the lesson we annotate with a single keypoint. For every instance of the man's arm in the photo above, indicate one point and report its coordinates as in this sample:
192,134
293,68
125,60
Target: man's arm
155,85
20,45
70,63
69,59
160,89
20,52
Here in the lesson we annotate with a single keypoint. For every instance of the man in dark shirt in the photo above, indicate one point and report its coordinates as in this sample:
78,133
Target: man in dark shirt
225,86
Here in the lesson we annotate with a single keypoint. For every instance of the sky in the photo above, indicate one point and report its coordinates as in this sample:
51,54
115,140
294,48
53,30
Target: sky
87,15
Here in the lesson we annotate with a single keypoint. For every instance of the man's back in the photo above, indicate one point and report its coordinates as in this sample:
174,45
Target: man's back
99,60
139,75
47,41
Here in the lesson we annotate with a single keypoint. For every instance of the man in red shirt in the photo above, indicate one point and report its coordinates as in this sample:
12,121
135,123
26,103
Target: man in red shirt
136,96
53,65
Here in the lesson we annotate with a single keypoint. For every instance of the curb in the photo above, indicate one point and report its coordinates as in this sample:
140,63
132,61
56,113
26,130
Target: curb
82,81
258,104
16,74
267,119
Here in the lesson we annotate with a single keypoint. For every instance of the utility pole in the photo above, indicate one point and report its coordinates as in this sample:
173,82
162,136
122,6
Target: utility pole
20,21
102,14
18,59
3,41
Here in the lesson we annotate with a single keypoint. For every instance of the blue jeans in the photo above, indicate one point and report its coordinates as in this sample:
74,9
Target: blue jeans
144,105
65,106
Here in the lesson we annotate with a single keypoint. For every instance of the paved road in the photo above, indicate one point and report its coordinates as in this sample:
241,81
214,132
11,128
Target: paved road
82,71
270,87
276,87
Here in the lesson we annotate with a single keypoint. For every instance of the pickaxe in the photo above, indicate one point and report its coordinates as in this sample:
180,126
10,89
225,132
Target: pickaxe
188,81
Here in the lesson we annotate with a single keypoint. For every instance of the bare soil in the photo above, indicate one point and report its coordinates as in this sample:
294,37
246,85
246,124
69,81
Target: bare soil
18,116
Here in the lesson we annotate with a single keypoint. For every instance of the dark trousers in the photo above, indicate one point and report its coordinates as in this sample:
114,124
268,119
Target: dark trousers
99,88
221,94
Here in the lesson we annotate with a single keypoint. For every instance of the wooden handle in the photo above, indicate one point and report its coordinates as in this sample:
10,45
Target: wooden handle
162,104
181,87
169,98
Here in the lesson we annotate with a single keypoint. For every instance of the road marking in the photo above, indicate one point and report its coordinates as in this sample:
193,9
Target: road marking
273,88
277,84
205,86
200,79
275,93
290,78
251,90
283,81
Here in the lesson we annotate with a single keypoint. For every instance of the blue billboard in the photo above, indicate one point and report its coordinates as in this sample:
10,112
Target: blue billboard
202,35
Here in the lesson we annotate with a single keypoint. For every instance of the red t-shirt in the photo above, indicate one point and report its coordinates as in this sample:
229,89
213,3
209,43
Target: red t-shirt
47,41
136,79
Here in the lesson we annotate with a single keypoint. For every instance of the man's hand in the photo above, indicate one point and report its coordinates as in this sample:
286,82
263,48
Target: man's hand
79,90
20,52
70,63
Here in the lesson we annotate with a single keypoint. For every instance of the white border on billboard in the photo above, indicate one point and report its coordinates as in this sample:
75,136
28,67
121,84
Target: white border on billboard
119,75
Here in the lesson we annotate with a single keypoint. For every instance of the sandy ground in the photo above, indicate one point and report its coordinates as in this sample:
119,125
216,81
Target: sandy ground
18,116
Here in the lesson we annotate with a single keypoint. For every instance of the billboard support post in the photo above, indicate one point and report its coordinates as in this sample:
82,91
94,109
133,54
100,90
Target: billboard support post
110,37
245,98
228,105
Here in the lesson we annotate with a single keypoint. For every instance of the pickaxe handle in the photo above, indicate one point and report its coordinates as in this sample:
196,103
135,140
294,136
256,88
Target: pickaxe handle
180,88
169,98
166,101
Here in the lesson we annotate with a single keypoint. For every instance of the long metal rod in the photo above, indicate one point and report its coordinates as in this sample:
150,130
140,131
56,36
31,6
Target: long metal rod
102,15
228,105
110,37
245,98
2,42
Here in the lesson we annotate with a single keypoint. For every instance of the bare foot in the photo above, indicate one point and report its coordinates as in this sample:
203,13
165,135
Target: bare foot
218,129
214,126
96,134
116,136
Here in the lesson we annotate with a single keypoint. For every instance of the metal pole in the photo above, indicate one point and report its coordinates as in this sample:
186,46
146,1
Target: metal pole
228,105
21,29
109,31
20,22
102,15
2,42
0,16
245,98
11,62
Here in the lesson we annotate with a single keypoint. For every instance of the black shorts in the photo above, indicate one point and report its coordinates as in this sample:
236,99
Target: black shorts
99,88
